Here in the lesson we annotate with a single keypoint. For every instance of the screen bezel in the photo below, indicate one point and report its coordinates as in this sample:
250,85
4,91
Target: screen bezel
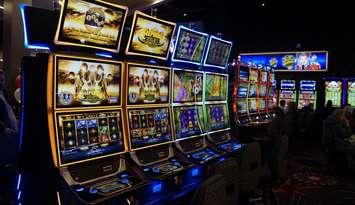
57,141
230,43
78,58
175,59
128,64
203,131
128,137
205,85
114,49
172,86
138,14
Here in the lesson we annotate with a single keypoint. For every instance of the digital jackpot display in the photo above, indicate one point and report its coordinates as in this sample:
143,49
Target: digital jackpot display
149,126
216,87
217,116
147,84
218,52
351,93
87,135
150,36
188,121
288,84
89,23
187,86
306,61
333,92
82,82
189,46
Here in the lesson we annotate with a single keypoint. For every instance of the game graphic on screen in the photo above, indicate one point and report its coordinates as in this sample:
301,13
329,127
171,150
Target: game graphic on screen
305,98
244,74
272,92
252,105
288,84
333,92
81,82
87,135
242,90
272,77
187,86
253,75
216,87
91,23
150,36
189,46
351,93
262,91
217,52
264,76
307,85
287,94
217,116
188,121
147,85
242,107
262,106
149,126
252,90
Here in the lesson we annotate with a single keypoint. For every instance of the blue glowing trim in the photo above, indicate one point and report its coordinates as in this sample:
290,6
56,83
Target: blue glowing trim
221,159
177,40
19,195
106,55
152,61
157,187
18,182
208,49
195,172
34,46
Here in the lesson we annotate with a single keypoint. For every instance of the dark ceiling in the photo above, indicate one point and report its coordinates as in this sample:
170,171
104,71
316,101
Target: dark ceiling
276,25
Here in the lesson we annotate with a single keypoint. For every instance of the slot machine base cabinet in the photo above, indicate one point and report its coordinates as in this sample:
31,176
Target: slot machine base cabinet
100,180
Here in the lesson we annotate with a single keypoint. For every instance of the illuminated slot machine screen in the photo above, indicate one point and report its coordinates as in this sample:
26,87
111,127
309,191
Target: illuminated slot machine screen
272,77
88,23
253,75
253,90
333,92
252,106
187,86
147,84
217,116
216,87
271,103
88,134
262,106
264,78
244,74
86,82
189,46
242,108
262,91
351,93
188,121
242,90
288,84
218,52
150,36
149,126
306,97
307,85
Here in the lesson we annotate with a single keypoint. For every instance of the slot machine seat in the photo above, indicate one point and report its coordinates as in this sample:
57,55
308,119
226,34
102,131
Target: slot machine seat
229,169
250,167
211,192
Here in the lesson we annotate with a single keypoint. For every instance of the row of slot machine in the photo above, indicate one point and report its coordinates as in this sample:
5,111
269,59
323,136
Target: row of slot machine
340,91
254,95
110,128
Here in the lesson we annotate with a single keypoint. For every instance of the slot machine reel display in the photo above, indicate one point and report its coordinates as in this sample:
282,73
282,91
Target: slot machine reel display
307,94
351,93
333,92
287,91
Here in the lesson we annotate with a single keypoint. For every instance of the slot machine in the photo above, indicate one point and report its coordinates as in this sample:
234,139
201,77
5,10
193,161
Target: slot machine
262,95
240,92
187,98
253,102
307,94
334,91
148,110
351,92
75,121
287,91
272,93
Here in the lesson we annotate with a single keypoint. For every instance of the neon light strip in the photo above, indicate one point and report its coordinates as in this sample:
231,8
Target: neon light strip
106,55
18,182
34,46
176,43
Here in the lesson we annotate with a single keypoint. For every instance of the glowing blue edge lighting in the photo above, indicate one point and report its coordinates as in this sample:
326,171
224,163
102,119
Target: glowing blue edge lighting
208,48
18,182
34,46
157,187
18,195
106,55
176,42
